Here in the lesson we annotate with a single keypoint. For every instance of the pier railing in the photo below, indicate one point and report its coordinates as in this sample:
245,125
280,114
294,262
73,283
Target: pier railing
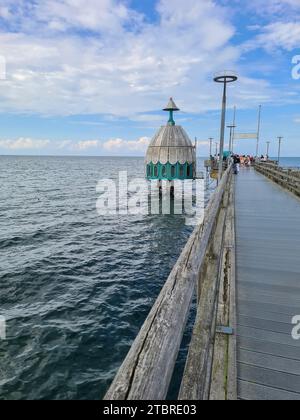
288,178
206,266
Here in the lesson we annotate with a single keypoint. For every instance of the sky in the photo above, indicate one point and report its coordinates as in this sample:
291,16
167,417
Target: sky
91,77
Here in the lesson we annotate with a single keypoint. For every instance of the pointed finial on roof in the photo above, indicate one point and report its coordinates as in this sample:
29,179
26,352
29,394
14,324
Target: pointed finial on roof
171,108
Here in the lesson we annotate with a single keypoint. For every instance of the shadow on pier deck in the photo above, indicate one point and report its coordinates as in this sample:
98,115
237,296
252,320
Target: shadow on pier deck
268,288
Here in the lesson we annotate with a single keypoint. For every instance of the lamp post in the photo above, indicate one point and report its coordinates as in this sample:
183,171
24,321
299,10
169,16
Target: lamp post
216,148
258,130
268,148
210,147
232,127
233,132
279,148
224,79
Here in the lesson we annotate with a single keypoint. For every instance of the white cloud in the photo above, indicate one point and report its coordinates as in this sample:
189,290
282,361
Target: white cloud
23,143
62,15
283,29
275,6
63,144
113,145
73,57
266,8
86,144
149,118
124,72
125,145
285,35
5,12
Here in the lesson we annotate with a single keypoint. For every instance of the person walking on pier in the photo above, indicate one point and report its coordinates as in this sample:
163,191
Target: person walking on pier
236,164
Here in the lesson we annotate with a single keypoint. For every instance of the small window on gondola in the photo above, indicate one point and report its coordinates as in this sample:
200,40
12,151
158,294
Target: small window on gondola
181,171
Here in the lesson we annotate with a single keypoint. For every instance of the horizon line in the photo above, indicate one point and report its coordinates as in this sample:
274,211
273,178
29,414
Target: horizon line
119,156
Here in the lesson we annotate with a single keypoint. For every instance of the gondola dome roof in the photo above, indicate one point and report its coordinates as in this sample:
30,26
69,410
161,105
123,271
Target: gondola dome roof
171,144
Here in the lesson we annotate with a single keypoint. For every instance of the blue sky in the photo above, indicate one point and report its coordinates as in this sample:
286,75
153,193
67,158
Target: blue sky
90,77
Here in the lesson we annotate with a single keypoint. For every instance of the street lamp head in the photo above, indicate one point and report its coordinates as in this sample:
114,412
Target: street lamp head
226,77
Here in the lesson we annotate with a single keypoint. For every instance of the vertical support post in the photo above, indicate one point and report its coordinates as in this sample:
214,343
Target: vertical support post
196,147
268,148
234,126
279,148
258,130
222,137
210,147
230,138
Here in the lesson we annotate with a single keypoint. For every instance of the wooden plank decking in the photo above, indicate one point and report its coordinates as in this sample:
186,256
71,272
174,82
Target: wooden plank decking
268,288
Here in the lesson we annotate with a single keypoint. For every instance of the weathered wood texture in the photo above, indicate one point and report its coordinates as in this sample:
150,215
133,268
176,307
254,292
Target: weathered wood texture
147,370
210,373
196,378
224,374
268,288
287,178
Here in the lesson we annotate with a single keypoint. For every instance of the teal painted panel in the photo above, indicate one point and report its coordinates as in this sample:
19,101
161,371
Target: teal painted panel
169,172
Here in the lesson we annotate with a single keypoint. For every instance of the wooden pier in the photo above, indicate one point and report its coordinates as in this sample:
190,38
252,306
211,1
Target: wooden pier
268,286
243,264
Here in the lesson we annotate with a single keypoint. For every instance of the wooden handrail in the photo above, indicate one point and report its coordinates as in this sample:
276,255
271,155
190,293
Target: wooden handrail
148,368
209,372
287,178
292,174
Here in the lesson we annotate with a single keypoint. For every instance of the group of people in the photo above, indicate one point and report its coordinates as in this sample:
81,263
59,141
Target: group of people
264,158
239,161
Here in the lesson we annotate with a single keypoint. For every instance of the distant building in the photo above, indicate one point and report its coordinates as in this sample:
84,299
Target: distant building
171,154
